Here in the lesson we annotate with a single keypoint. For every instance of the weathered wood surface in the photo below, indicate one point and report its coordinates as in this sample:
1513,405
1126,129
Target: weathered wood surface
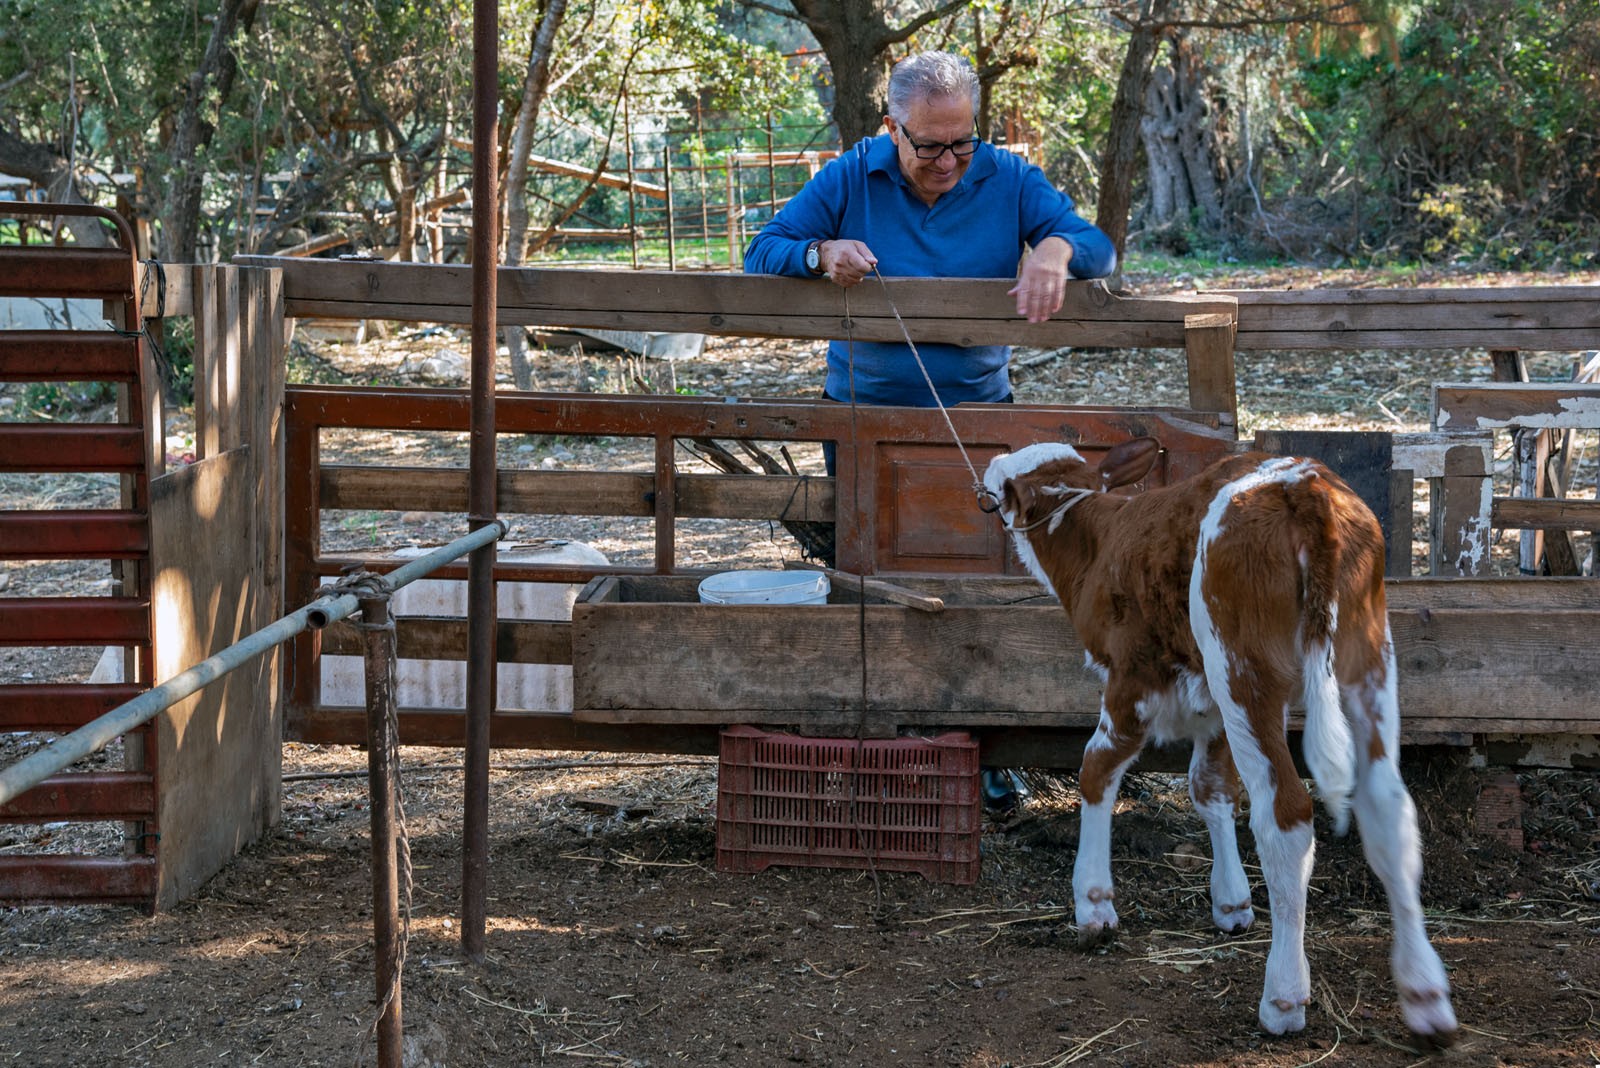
1523,317
219,753
1475,656
1495,406
581,493
517,641
966,311
1546,513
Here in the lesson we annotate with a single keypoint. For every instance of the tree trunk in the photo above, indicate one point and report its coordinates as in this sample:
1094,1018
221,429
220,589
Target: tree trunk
208,88
44,166
533,90
1180,144
855,36
1118,163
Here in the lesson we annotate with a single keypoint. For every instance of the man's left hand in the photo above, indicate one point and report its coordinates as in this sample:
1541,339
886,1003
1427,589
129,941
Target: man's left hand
1042,283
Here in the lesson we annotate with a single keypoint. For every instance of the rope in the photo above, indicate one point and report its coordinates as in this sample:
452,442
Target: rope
1054,515
978,487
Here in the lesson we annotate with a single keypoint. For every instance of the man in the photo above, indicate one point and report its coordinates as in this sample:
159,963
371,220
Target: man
930,198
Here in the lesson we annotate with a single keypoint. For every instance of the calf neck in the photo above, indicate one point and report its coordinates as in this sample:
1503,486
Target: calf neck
1208,607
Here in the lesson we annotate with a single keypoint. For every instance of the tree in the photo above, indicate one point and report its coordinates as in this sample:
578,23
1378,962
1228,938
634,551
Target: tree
856,36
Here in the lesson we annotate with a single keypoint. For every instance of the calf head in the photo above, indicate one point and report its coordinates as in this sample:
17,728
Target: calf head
1031,483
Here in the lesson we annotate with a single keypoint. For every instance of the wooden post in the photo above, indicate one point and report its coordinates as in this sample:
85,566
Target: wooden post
1458,514
1208,342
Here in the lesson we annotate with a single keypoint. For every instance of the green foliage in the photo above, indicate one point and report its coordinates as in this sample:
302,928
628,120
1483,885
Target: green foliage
1479,145
53,400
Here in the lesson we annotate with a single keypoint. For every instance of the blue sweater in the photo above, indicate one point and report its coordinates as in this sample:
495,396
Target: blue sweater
976,230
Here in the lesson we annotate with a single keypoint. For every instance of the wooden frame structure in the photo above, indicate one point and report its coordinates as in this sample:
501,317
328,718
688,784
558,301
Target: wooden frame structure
908,517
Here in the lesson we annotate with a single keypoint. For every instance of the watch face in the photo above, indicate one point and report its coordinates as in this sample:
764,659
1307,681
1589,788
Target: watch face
813,258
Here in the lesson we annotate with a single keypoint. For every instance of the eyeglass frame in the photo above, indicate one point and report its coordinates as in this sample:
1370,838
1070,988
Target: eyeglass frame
917,150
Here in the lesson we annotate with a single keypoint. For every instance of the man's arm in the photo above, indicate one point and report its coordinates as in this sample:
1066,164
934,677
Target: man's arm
813,214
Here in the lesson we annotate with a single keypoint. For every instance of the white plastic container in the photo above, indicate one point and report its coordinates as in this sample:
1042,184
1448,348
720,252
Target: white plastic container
765,587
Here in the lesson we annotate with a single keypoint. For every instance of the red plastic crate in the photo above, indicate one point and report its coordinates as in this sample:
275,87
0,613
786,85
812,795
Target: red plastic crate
898,804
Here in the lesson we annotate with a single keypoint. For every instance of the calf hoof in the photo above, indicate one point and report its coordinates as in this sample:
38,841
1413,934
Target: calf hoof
1429,1017
1281,1016
1096,936
1233,919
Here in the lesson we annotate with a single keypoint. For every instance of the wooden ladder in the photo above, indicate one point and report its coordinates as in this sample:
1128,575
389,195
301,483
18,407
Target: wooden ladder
129,448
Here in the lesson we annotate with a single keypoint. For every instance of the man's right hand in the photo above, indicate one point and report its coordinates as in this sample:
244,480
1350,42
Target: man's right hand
846,262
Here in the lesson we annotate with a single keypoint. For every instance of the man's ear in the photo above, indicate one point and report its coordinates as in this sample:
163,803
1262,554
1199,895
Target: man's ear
1128,462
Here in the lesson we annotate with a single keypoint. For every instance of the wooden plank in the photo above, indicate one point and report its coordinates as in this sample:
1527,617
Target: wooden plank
1208,345
1461,337
1459,514
1492,594
445,638
1423,454
219,749
547,289
1486,406
653,656
167,295
508,729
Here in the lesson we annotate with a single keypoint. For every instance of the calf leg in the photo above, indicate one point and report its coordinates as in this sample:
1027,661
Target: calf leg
1388,822
1214,789
1115,745
1280,818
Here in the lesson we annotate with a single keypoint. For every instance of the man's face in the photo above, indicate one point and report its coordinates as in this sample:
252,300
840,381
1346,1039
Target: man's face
941,120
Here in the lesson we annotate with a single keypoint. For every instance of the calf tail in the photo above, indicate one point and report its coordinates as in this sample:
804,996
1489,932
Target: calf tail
1329,747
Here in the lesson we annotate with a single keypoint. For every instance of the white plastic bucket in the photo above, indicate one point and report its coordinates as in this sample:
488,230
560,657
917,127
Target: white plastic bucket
765,587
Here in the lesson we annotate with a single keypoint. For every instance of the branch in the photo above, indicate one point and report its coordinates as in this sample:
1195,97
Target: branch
897,36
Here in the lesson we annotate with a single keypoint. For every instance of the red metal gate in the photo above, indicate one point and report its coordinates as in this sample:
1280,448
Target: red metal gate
129,449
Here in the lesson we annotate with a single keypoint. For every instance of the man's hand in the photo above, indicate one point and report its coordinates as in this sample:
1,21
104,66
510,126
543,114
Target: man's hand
1042,282
846,262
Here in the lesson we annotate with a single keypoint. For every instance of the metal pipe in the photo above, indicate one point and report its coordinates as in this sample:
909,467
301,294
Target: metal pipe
377,629
481,488
27,773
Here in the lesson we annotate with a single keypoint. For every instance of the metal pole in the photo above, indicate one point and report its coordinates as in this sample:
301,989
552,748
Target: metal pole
481,495
377,631
27,773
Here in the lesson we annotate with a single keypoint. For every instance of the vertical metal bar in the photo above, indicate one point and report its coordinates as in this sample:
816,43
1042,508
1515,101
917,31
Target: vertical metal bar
627,155
729,166
700,177
481,493
666,505
378,654
666,182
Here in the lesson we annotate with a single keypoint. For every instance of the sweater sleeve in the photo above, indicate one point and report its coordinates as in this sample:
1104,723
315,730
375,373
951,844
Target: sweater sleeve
812,214
1047,212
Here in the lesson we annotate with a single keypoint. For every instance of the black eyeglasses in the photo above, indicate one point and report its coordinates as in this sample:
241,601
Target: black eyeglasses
934,149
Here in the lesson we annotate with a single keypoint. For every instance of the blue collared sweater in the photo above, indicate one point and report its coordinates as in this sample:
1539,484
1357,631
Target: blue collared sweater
976,230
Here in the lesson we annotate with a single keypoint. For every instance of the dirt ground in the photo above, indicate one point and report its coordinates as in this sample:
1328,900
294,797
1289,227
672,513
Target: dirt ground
613,939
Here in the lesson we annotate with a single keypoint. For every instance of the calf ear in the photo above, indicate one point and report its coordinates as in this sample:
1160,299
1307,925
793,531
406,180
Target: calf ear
1017,497
1128,462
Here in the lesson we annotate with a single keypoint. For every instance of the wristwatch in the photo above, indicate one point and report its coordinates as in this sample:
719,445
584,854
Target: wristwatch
814,257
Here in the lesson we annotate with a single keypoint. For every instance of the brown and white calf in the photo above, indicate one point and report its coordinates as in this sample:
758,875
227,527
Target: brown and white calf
1207,607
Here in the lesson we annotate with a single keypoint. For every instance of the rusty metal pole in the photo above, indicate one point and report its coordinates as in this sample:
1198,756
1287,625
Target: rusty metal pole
377,630
481,493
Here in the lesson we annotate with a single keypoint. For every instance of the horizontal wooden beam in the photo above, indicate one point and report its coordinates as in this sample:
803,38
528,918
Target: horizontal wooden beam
1546,513
964,311
621,493
1521,317
517,641
1498,405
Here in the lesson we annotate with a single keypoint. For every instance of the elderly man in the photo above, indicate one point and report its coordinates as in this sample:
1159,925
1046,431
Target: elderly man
930,198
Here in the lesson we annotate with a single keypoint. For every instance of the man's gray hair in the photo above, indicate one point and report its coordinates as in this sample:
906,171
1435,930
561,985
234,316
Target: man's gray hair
926,75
